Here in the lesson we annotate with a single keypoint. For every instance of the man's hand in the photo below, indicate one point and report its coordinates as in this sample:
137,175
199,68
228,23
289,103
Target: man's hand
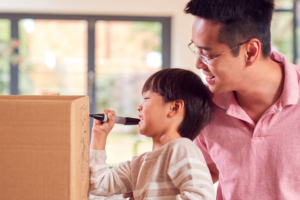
129,194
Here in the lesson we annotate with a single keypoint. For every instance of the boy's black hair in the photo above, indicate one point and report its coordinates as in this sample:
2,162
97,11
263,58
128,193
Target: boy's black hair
240,20
174,84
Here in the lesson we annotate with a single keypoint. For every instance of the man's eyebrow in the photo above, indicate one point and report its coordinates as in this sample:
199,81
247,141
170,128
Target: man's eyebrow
206,48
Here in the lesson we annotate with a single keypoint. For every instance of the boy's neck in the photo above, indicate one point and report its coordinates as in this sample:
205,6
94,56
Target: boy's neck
163,139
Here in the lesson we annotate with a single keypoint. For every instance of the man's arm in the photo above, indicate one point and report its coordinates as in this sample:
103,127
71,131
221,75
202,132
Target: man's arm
214,172
201,144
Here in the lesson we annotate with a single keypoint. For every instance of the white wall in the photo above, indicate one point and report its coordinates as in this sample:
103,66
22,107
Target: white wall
181,23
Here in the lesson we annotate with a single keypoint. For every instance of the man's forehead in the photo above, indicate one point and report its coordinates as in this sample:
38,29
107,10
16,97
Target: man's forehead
205,32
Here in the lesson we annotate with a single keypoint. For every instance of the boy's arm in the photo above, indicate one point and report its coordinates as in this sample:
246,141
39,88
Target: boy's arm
101,130
98,143
189,173
105,181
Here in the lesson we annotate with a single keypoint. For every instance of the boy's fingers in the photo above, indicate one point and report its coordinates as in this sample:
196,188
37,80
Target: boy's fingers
129,194
105,111
112,112
111,118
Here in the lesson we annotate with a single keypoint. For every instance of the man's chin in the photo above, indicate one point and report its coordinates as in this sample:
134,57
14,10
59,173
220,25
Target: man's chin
214,89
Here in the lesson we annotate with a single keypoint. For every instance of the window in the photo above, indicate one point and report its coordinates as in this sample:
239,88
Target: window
5,56
127,53
285,29
54,56
106,57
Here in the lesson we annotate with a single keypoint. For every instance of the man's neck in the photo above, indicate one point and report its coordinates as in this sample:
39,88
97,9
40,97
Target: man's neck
262,90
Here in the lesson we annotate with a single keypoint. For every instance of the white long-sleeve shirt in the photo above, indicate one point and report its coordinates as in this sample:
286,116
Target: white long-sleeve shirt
176,170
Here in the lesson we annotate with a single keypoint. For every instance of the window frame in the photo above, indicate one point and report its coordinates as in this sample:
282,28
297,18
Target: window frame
296,24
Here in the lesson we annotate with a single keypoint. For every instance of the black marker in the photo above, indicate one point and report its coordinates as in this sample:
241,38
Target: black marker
118,120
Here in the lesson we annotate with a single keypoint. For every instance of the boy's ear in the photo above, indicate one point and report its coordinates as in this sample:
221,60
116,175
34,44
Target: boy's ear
176,107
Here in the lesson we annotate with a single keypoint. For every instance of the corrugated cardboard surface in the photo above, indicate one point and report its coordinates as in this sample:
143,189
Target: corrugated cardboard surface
44,147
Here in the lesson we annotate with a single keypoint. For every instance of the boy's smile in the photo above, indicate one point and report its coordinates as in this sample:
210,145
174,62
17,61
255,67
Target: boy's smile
153,114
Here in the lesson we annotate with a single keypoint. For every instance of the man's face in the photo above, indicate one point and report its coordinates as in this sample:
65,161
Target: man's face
225,72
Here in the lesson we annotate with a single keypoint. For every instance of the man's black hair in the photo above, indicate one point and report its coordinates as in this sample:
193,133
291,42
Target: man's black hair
179,84
240,20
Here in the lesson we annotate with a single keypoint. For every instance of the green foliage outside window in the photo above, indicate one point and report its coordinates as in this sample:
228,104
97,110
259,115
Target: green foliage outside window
5,55
26,85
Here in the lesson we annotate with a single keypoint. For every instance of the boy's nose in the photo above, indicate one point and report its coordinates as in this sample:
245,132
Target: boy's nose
139,108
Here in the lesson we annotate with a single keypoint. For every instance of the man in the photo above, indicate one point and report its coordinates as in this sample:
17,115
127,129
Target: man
252,144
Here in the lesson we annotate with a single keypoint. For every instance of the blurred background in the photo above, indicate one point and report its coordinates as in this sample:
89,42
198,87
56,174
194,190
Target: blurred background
107,49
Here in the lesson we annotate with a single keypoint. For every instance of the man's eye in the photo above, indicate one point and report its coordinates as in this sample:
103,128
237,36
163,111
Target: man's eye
207,56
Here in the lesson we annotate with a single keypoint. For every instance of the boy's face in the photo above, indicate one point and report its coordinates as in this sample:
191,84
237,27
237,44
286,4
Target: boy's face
153,113
225,72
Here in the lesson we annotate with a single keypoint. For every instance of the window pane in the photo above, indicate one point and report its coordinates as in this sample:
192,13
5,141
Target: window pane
284,4
127,53
5,56
282,33
54,56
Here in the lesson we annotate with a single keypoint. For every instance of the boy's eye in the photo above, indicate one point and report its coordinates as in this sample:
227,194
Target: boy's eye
146,98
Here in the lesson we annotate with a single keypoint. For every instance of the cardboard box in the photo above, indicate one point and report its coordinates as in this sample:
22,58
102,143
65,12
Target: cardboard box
44,147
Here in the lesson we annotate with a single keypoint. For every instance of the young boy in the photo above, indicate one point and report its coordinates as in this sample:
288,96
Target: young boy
175,108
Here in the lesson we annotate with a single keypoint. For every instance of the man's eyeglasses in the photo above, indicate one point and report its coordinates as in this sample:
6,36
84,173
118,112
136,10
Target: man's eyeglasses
203,58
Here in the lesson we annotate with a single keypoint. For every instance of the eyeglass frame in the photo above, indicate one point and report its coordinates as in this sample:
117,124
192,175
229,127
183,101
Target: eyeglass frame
206,60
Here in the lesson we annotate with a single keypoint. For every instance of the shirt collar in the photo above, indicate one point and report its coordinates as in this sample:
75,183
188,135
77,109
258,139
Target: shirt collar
290,93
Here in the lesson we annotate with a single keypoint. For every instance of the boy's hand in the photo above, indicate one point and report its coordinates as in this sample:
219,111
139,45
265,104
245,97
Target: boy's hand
101,130
129,194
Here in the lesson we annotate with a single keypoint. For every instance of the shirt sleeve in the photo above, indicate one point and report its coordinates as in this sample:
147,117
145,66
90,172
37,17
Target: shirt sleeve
189,173
105,181
200,142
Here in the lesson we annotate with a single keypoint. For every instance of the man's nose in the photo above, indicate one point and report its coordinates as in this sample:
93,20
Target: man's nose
199,64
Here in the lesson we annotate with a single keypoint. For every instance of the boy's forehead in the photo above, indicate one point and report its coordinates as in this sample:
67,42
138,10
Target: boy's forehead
146,92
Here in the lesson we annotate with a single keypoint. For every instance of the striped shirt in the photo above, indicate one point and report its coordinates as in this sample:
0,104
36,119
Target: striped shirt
176,170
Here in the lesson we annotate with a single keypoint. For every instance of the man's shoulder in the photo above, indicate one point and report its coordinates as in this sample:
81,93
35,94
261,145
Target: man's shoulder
297,67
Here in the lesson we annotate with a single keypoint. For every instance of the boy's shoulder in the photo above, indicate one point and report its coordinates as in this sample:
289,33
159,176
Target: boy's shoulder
181,142
183,146
183,149
179,146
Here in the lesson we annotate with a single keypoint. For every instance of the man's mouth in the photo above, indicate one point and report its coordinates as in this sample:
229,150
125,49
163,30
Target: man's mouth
209,77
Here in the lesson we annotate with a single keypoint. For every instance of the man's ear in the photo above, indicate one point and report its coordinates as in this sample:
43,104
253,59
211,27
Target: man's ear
176,107
253,50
